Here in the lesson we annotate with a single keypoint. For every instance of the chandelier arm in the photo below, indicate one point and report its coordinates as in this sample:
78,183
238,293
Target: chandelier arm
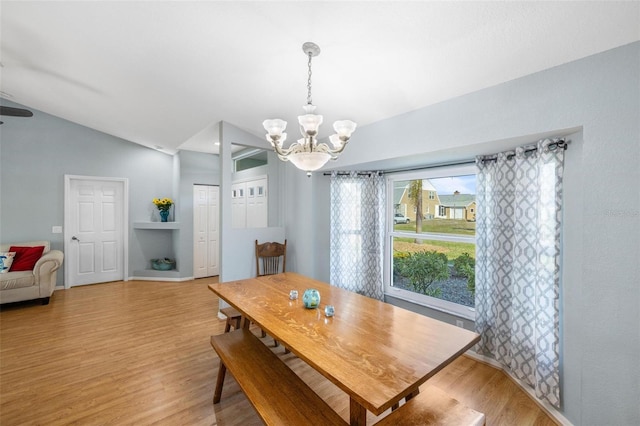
294,148
339,150
278,149
323,147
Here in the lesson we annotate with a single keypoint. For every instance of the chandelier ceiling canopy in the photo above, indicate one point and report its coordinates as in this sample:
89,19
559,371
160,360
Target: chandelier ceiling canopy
307,154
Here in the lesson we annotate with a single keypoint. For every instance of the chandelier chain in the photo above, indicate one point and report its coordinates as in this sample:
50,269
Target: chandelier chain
309,101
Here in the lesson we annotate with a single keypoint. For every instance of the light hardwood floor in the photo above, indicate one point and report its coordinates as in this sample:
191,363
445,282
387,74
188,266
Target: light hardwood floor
138,353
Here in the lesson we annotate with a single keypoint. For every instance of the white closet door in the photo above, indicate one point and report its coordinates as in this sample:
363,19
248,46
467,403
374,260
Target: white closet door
213,231
206,234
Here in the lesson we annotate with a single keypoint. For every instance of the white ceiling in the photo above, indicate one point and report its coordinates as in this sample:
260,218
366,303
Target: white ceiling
165,73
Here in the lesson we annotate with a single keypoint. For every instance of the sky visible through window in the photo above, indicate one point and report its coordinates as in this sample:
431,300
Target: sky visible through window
448,185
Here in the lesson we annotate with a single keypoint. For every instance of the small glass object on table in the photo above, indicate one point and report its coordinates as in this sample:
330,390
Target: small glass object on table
293,294
329,310
311,298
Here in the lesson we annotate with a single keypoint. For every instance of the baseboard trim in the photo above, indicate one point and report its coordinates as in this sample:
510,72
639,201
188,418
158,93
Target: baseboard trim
160,279
544,406
62,287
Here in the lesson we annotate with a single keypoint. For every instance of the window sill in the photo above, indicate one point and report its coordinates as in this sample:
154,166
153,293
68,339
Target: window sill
437,305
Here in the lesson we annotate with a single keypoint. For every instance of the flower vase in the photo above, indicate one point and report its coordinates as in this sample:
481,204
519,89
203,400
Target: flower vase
164,215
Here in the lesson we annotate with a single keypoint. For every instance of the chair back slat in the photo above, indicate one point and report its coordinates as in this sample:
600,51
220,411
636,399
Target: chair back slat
269,258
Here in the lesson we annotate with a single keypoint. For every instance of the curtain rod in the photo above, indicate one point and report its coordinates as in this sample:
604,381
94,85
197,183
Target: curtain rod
432,166
559,144
408,169
358,173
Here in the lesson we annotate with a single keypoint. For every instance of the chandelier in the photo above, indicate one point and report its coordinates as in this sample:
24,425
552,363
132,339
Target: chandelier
307,154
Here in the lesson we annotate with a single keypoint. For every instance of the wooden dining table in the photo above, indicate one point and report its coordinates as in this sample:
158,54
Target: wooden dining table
377,353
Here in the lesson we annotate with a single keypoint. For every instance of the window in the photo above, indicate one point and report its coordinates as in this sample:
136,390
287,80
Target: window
249,158
432,261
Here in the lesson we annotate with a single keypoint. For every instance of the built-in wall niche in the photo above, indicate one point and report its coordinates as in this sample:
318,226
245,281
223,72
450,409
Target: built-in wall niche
250,203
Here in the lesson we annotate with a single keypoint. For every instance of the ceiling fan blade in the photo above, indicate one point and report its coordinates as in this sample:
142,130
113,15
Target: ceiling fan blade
15,112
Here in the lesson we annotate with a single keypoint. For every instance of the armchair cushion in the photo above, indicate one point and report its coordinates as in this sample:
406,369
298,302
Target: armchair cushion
26,257
18,279
6,259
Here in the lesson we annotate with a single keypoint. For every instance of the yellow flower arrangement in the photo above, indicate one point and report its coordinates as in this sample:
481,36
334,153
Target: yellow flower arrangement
163,204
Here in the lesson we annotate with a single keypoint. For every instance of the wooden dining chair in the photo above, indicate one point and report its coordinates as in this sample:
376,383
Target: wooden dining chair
271,258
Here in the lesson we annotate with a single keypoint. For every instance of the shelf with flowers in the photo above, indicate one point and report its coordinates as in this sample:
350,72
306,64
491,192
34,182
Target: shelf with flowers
164,207
161,268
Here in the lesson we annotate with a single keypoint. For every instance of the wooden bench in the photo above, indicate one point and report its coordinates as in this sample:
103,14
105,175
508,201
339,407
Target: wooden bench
433,407
279,396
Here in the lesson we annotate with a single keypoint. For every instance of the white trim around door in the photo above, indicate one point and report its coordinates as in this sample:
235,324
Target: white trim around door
117,218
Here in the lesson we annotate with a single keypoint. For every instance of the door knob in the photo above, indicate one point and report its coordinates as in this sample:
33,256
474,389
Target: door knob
74,238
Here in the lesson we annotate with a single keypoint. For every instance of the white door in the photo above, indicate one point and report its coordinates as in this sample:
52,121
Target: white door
238,205
95,220
206,234
249,204
257,203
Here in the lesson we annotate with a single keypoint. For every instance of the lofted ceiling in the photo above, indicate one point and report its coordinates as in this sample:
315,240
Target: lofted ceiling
164,74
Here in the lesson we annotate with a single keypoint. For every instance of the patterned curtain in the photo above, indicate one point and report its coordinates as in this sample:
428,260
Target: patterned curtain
357,232
519,198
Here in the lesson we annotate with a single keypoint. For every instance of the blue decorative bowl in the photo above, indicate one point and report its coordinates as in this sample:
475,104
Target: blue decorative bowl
311,298
163,264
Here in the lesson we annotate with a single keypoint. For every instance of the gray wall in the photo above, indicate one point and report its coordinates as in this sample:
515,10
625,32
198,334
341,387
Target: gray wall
237,259
598,99
306,222
195,169
36,153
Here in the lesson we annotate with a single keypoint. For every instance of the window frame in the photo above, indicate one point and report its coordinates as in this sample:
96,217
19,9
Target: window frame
420,299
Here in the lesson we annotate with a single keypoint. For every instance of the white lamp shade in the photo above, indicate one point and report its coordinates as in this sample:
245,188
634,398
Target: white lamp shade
310,123
336,141
275,127
309,161
344,128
